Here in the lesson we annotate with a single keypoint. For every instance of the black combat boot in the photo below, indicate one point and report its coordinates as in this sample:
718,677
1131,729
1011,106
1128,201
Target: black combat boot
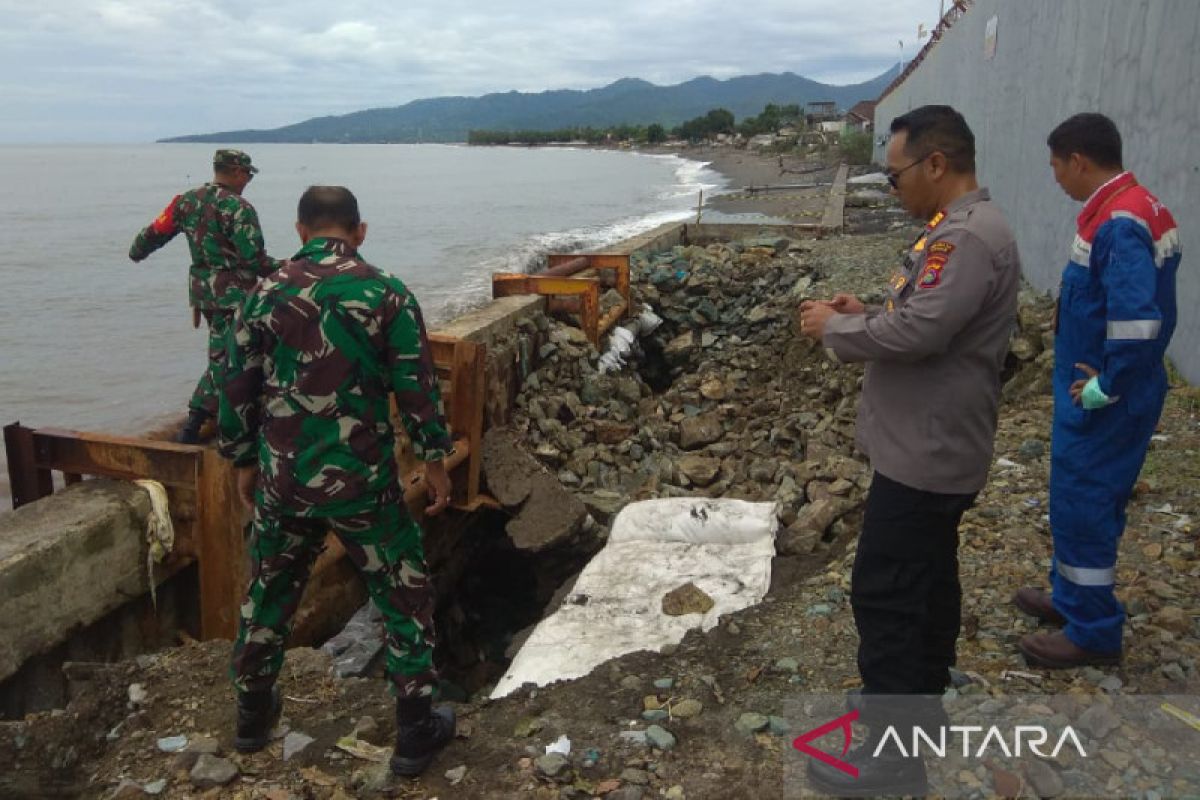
190,432
257,713
421,731
891,773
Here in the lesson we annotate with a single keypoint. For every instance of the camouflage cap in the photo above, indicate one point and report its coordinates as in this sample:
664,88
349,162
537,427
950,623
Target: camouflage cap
233,158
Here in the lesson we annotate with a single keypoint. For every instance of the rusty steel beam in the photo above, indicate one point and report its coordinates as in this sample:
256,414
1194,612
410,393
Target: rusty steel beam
505,284
564,265
119,457
564,305
27,481
611,317
220,547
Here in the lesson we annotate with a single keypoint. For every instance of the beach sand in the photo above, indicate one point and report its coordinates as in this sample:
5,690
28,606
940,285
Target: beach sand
745,169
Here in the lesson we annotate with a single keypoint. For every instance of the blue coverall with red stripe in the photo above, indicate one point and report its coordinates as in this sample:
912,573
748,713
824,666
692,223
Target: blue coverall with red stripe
1116,314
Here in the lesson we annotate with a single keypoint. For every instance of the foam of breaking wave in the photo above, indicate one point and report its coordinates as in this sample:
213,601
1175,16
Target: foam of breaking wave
529,256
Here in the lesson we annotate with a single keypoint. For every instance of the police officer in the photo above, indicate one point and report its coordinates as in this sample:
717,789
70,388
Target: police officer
927,421
315,353
228,258
1116,314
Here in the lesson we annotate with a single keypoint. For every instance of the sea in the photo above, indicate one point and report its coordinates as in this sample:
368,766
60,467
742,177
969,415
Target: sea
92,341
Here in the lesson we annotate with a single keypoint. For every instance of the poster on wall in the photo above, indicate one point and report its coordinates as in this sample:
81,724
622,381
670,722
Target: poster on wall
989,39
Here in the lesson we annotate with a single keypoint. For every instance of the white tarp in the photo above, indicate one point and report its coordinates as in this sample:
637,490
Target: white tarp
723,546
870,177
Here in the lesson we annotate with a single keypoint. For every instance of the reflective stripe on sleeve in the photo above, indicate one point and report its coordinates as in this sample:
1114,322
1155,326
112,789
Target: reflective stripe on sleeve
1081,251
1134,328
1087,576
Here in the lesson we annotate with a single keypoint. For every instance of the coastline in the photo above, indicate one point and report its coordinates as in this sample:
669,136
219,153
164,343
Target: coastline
746,168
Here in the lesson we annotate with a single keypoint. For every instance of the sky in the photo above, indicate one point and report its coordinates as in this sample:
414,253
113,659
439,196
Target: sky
137,70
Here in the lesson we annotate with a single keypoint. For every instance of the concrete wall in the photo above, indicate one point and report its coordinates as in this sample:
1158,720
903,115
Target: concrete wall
1134,60
73,587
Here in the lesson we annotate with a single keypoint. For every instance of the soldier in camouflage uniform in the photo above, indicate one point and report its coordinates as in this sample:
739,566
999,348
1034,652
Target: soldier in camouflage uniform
228,258
304,415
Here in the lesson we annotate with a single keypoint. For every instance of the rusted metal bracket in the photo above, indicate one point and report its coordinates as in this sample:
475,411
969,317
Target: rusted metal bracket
201,490
461,365
572,292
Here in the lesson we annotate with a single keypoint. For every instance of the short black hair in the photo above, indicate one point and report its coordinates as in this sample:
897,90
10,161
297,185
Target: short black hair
328,206
1093,136
941,129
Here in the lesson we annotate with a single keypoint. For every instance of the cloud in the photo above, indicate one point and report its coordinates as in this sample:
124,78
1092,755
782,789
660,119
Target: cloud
142,69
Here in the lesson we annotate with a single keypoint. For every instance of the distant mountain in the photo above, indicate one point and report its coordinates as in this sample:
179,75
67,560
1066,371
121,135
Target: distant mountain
629,100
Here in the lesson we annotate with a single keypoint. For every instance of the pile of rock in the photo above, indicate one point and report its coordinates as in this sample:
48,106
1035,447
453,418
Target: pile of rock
744,407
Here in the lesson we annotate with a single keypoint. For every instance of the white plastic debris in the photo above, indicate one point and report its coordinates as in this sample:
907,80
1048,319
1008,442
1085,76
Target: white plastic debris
648,322
560,745
620,345
622,342
137,694
870,177
722,546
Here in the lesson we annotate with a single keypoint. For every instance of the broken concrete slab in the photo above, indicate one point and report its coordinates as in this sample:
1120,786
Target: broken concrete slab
66,561
548,513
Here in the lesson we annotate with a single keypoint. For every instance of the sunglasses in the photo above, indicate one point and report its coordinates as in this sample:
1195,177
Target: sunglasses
893,178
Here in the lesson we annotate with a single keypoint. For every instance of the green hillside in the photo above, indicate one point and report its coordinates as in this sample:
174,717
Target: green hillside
629,100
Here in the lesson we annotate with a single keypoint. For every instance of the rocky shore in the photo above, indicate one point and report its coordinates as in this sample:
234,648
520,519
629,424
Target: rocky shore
723,400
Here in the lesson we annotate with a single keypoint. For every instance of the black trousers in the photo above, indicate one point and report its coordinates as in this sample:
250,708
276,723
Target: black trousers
904,589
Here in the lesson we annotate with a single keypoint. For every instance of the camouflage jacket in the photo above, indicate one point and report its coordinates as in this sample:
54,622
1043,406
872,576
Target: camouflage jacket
228,256
313,356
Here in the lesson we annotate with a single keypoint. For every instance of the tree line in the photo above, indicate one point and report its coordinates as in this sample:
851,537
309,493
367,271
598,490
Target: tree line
717,121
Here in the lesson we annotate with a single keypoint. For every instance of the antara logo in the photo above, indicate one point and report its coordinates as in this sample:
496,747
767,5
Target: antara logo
843,722
1033,737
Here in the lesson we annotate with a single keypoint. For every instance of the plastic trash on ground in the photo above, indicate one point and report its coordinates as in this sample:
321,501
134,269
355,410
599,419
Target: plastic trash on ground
561,745
622,342
355,649
722,546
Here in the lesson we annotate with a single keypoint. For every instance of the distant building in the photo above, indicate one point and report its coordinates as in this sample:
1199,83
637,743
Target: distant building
821,111
861,117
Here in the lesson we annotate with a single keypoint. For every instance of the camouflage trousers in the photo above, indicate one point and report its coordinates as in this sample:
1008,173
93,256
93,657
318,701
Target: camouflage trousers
204,398
384,544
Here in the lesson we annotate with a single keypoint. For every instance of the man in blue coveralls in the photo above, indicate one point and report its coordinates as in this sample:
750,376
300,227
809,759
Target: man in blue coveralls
1116,314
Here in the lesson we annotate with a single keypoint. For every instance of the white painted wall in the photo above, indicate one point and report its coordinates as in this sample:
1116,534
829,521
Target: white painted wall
1138,61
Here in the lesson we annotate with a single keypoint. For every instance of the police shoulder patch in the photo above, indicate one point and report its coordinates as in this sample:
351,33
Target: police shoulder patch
931,275
941,247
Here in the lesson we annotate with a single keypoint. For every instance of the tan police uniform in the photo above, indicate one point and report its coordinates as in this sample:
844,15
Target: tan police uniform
927,420
930,399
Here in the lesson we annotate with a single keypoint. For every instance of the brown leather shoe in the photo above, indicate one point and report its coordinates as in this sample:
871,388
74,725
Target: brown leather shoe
1056,651
1037,603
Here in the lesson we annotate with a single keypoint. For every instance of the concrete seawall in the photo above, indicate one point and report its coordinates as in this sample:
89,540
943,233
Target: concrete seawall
1134,60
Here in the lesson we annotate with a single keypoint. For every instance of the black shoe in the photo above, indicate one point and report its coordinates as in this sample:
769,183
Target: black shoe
257,713
421,732
889,774
190,432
